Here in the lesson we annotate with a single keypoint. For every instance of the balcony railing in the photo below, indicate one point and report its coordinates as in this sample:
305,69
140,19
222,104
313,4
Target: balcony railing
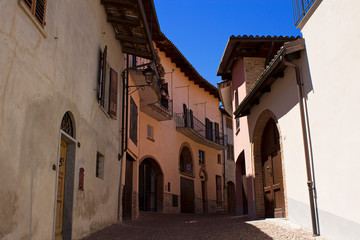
206,135
300,8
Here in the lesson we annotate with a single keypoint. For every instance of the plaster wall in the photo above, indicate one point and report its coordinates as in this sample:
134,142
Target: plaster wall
44,77
331,36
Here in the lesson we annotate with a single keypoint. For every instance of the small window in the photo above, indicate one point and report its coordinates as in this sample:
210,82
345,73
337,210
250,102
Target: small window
219,158
108,87
229,123
37,9
100,163
150,133
201,157
237,125
230,152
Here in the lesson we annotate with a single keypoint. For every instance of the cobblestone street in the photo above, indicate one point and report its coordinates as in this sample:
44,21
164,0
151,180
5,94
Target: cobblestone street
201,226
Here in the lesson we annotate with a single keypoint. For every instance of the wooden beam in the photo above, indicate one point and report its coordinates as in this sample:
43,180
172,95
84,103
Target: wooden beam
122,21
130,39
137,53
118,3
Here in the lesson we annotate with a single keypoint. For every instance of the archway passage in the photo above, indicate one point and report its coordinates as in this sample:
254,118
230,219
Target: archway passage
231,199
187,192
272,171
151,180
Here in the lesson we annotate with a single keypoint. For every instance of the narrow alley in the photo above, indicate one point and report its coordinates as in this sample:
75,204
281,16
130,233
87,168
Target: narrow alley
201,226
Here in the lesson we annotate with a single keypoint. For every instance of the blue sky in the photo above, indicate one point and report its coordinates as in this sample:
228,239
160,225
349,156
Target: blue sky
201,28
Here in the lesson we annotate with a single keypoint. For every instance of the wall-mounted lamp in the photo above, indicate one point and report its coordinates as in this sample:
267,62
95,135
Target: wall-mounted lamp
149,75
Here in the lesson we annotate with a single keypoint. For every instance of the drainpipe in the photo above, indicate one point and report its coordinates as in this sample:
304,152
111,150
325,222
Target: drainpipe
307,148
224,159
122,131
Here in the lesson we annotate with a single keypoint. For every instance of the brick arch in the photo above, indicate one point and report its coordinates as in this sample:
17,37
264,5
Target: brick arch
257,135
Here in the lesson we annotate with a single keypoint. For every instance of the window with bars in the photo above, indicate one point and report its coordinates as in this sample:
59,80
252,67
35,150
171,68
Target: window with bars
37,9
100,164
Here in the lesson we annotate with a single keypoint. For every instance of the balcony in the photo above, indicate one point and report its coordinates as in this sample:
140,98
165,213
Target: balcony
161,110
300,8
151,101
193,128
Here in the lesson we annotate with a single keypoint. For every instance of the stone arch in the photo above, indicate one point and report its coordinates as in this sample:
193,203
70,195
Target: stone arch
265,118
151,182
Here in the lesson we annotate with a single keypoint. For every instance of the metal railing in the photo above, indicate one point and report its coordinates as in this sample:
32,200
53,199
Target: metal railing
164,106
300,8
190,121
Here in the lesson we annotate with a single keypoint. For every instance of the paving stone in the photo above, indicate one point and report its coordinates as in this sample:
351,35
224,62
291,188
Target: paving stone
201,226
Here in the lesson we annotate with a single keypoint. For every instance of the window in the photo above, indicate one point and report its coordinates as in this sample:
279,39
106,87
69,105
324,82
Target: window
100,162
150,133
133,120
237,124
229,123
37,9
186,162
108,87
201,157
212,130
219,159
230,152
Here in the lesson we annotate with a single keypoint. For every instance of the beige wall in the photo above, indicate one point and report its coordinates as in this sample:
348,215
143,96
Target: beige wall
331,36
42,78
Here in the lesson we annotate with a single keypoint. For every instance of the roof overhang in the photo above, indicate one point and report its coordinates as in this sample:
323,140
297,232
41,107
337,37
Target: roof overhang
129,20
249,46
275,69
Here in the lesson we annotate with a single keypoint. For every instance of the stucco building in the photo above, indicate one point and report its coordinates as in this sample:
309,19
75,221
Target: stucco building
175,142
59,140
295,116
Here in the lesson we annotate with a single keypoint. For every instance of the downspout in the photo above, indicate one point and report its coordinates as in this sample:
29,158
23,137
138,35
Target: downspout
122,131
307,148
224,159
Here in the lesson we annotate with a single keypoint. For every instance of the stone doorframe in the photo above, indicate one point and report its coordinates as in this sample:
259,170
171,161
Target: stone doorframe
261,121
69,181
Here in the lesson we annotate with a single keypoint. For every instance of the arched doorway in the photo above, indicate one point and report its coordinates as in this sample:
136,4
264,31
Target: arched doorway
231,199
241,185
272,171
187,193
203,179
151,182
65,178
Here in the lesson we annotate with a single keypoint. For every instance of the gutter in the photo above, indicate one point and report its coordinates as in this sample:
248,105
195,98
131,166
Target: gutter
307,148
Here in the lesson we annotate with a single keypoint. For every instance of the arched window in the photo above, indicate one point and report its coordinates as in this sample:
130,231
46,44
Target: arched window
186,162
67,125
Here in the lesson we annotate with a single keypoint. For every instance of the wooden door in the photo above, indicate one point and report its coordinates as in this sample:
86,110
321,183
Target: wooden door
203,194
272,172
128,190
218,190
60,192
187,195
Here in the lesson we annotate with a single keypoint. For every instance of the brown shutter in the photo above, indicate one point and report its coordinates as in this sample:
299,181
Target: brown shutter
40,10
113,93
217,135
28,3
102,77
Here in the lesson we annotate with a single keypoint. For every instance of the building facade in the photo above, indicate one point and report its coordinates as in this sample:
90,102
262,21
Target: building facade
61,115
175,142
297,122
